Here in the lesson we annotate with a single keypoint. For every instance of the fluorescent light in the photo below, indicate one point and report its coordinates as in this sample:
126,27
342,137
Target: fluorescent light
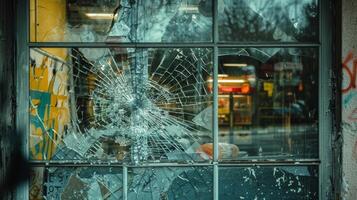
235,64
100,15
189,8
228,81
223,75
231,81
227,96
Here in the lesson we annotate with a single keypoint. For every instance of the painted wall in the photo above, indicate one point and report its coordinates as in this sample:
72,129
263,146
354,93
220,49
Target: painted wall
349,99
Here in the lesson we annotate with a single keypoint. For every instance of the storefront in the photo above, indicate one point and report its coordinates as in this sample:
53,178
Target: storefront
179,99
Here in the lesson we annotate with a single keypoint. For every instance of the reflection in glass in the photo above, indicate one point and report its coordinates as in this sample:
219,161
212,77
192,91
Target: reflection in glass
120,104
267,103
278,182
121,21
268,21
170,183
68,183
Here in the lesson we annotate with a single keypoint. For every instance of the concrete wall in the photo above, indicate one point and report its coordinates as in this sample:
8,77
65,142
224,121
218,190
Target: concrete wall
349,99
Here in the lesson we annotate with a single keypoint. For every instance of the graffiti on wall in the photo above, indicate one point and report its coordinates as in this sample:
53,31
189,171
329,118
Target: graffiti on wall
349,98
349,70
49,108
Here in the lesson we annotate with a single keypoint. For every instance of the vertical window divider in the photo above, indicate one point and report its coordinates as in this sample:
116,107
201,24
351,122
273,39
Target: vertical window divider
325,99
215,101
21,77
125,182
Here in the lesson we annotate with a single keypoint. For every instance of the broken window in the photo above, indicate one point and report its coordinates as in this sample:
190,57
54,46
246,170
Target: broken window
174,99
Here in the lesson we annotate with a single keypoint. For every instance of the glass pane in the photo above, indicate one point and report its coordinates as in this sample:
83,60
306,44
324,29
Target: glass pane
120,104
67,183
278,182
268,20
120,21
268,103
181,183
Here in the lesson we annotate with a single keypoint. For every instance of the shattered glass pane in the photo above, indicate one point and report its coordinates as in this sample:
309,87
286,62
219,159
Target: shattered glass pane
262,182
268,103
169,183
66,183
120,104
269,20
121,21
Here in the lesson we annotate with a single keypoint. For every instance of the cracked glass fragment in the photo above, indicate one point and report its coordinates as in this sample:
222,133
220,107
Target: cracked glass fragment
262,182
268,21
66,183
170,183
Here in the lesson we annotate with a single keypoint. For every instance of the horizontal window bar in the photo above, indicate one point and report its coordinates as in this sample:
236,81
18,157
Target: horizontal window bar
271,162
197,164
113,164
123,45
262,44
166,45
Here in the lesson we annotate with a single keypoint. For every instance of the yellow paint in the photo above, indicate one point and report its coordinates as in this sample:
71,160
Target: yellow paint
48,23
268,87
39,77
57,113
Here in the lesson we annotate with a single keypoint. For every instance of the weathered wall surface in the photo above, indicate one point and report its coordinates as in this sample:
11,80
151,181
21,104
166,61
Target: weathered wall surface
7,108
349,98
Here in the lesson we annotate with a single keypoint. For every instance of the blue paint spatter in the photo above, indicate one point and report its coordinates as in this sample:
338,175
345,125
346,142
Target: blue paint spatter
45,101
347,99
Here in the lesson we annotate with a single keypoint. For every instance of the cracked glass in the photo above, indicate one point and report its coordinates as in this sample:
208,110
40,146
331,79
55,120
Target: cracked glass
68,183
120,104
120,21
111,120
268,182
268,103
182,183
268,20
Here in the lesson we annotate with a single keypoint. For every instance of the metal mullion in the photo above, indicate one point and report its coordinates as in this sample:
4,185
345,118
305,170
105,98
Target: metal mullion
106,164
267,162
167,45
118,45
125,182
215,124
325,98
215,102
266,44
22,85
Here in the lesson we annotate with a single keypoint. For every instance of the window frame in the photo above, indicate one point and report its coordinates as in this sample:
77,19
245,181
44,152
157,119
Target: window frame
324,45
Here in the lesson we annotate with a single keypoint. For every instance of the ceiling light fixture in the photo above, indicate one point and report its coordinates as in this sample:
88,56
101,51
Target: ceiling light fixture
189,8
100,15
222,75
235,65
228,81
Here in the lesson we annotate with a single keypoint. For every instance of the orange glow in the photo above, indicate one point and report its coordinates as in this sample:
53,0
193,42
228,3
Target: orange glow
245,89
